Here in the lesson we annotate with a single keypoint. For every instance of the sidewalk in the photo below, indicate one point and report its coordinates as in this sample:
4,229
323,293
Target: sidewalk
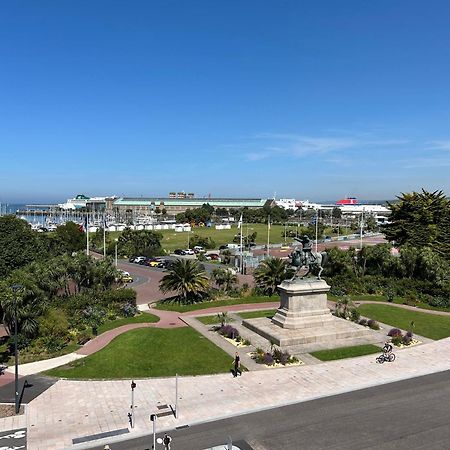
92,407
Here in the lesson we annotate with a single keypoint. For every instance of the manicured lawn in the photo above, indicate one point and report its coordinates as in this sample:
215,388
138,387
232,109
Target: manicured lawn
427,325
346,352
209,320
216,303
141,318
255,314
382,298
150,352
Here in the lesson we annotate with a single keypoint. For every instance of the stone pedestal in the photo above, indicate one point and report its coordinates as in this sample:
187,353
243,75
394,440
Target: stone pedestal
303,304
304,323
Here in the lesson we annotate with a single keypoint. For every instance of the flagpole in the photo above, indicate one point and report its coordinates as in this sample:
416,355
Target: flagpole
87,233
242,260
104,236
268,235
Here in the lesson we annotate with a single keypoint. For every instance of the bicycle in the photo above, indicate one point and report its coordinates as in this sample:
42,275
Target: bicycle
385,357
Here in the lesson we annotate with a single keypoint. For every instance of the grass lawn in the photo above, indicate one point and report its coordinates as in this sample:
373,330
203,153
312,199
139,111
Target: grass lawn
382,298
141,318
209,320
346,352
216,303
427,325
255,314
150,352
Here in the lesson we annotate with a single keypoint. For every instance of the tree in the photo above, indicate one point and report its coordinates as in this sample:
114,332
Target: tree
374,260
339,262
336,213
19,245
205,242
270,273
224,278
371,223
70,238
29,307
420,219
140,242
188,279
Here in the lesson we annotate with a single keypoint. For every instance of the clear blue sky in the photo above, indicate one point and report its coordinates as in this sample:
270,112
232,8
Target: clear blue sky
308,99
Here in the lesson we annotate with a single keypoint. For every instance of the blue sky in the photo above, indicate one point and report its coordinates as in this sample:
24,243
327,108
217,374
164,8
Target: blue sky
303,99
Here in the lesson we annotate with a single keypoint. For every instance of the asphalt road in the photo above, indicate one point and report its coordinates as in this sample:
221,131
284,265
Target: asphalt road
412,414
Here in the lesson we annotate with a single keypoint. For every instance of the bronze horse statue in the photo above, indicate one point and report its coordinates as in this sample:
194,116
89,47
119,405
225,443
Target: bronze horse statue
309,259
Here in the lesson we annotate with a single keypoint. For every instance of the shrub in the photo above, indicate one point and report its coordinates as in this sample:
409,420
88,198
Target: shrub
129,310
397,340
390,294
268,359
54,323
363,322
229,332
407,339
83,337
393,332
121,296
52,344
355,315
409,334
373,324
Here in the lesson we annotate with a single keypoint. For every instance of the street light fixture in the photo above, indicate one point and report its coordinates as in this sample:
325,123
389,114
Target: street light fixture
15,288
115,250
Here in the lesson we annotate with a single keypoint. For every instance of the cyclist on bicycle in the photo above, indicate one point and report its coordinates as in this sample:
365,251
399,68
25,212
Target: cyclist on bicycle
387,348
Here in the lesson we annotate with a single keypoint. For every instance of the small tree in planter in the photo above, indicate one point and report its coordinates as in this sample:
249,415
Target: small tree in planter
223,318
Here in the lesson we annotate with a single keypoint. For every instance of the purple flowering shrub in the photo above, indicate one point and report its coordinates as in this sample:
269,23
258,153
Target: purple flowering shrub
229,332
394,332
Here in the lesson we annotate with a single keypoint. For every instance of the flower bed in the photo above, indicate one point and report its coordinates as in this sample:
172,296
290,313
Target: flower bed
232,336
274,358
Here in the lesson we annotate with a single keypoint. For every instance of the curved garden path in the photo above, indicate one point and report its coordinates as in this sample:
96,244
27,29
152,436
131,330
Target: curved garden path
148,294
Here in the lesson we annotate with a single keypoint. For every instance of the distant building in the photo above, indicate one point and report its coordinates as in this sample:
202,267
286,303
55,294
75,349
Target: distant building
287,203
176,205
83,202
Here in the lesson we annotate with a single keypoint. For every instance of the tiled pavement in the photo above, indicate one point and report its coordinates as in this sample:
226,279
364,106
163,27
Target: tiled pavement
92,407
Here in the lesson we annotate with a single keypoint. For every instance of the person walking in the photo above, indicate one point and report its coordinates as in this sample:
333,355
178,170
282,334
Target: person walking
166,441
237,365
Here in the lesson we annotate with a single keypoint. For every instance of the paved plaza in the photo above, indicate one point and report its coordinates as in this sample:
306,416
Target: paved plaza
74,409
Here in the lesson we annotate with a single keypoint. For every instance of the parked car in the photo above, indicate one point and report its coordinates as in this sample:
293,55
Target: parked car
214,256
178,251
223,247
163,264
188,251
139,259
144,262
125,277
198,249
153,263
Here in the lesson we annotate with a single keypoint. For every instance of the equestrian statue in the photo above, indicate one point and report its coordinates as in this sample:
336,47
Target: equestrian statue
305,257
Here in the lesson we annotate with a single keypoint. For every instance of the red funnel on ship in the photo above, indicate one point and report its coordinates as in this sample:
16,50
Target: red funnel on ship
347,201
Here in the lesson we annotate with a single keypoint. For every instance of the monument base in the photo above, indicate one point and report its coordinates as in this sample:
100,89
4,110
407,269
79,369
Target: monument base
304,323
316,336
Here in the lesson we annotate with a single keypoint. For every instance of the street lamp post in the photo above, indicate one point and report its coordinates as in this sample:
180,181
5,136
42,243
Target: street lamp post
115,251
133,385
317,226
15,288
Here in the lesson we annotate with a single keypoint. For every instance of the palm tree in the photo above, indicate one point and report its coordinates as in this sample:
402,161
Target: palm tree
188,279
224,278
270,273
